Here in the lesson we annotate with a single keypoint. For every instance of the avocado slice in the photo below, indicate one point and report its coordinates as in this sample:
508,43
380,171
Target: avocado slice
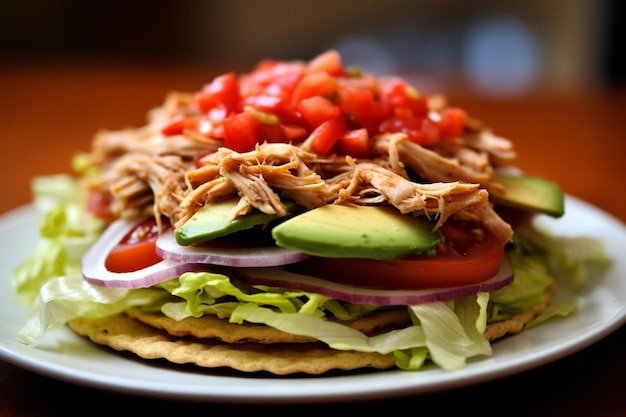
212,221
529,192
335,231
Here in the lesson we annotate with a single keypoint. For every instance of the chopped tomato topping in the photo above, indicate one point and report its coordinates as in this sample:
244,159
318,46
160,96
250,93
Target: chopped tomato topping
315,84
452,123
241,132
178,124
329,62
354,142
317,110
327,134
420,130
223,90
292,100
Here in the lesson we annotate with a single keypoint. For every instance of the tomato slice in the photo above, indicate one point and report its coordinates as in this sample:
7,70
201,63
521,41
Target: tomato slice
468,256
137,250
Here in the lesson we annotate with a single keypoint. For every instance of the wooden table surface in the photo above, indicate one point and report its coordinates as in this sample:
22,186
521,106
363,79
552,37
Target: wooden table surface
577,138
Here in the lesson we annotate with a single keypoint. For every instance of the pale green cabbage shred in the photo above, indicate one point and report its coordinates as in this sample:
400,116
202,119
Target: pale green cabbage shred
447,334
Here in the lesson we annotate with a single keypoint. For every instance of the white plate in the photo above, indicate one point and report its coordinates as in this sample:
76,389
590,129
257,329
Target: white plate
65,356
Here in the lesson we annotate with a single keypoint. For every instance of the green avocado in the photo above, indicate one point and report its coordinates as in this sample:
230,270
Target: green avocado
212,221
335,231
529,193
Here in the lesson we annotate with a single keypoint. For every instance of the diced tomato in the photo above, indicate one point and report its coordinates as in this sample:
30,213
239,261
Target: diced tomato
277,105
137,250
293,132
273,75
270,133
300,97
452,123
400,94
223,90
329,62
263,102
317,110
468,256
358,103
422,131
241,132
315,84
178,124
285,76
363,81
354,143
282,133
100,206
324,137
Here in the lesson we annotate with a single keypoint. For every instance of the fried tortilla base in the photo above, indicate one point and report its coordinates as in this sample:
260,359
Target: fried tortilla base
210,342
124,333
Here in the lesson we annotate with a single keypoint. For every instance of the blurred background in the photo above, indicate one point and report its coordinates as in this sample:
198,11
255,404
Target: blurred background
500,47
544,73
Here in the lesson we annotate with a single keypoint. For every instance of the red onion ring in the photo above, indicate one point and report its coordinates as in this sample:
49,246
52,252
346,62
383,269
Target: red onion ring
95,272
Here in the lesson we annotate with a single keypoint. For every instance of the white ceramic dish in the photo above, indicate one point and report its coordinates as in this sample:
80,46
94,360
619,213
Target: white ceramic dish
65,356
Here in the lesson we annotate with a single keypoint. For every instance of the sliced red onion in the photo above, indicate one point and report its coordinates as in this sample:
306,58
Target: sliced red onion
93,262
168,248
142,278
278,277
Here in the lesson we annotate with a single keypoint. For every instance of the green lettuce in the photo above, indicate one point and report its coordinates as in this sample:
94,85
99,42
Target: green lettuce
571,260
68,297
540,260
66,232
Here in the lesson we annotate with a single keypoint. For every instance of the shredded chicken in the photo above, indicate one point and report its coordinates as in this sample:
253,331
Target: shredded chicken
439,200
464,165
137,180
262,177
141,169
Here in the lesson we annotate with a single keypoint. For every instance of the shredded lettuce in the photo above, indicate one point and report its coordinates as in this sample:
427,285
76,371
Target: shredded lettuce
66,231
199,291
556,309
68,297
540,260
335,335
570,260
454,330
